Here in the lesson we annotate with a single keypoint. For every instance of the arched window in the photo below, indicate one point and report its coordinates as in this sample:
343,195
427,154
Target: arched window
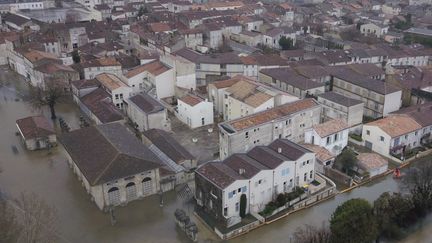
147,186
131,193
114,196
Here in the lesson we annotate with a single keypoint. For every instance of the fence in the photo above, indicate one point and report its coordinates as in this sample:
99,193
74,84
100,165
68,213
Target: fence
338,176
239,231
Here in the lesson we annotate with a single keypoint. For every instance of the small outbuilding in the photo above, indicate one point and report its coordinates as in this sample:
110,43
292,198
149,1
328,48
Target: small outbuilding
37,132
372,163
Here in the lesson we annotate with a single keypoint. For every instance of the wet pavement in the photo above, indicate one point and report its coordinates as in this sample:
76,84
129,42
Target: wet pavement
79,220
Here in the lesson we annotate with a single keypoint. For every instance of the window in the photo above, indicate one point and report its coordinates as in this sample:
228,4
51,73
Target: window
311,174
230,195
234,192
225,211
406,136
336,137
328,141
367,132
260,181
416,133
305,177
116,96
239,190
307,161
304,163
381,138
247,134
237,207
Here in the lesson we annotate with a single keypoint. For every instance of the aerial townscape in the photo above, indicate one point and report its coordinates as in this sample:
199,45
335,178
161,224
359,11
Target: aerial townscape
300,121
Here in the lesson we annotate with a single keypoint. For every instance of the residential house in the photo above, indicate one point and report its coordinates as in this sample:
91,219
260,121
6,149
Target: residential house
393,134
374,29
94,67
152,75
194,111
285,121
260,175
336,106
115,87
37,132
147,113
331,135
324,158
125,169
54,72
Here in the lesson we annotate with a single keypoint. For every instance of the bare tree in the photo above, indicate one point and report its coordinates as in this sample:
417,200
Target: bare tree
38,219
49,95
418,181
312,234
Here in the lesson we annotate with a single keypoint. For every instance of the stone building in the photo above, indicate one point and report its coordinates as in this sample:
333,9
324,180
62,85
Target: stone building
114,166
286,121
37,132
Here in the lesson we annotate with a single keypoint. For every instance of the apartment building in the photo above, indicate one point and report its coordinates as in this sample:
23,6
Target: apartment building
286,121
260,175
337,106
378,97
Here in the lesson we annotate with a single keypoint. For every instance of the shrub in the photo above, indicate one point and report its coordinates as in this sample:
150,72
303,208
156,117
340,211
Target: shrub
281,200
243,205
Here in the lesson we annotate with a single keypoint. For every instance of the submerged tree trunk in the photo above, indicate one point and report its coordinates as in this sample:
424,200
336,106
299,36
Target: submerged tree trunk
53,113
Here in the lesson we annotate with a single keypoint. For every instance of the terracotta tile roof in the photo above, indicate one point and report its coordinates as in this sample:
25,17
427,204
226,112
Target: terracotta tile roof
330,127
35,127
159,27
272,114
229,82
99,103
34,55
370,161
248,93
321,153
422,113
110,81
249,60
155,68
396,125
191,100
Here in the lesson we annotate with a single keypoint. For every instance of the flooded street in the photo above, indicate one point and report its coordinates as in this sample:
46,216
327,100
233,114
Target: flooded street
79,220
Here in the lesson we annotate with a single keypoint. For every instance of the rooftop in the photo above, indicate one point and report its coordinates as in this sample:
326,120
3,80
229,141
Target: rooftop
120,154
35,127
339,99
269,115
146,103
370,161
191,100
396,125
330,127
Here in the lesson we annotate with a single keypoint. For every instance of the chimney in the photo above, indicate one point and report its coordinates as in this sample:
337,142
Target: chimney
241,171
279,150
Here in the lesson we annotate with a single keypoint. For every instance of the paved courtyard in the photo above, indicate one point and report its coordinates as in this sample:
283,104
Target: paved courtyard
205,148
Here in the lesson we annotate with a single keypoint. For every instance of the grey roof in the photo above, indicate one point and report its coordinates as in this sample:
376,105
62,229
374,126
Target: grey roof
419,31
289,149
339,99
245,166
352,77
108,152
422,113
289,76
214,58
146,103
168,145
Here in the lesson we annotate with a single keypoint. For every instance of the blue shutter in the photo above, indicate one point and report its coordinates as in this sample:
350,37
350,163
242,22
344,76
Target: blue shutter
230,195
244,189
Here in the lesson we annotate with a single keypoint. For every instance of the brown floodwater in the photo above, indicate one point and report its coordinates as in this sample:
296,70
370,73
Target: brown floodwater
79,220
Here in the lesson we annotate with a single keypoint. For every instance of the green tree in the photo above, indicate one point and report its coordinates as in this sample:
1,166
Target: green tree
286,43
353,222
243,201
346,160
392,212
76,57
